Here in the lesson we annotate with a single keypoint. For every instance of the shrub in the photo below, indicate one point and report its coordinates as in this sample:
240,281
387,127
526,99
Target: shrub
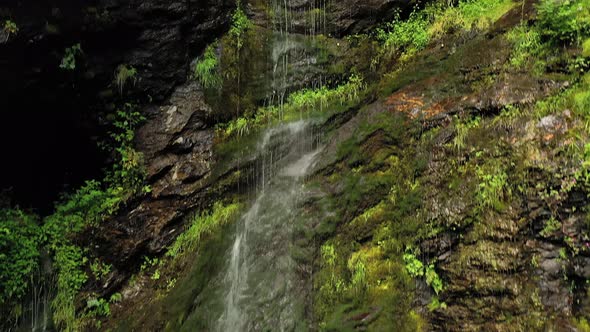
526,43
409,36
564,21
240,23
19,253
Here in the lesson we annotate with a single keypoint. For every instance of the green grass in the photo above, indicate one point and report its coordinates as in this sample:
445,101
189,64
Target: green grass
586,48
123,74
299,103
201,225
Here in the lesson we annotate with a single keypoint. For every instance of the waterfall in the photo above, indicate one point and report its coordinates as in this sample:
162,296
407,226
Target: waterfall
260,278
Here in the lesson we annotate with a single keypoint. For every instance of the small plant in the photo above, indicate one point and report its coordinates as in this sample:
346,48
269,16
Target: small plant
10,29
414,266
123,74
492,187
527,45
99,269
433,279
206,69
240,24
19,253
68,62
551,226
416,269
462,130
98,307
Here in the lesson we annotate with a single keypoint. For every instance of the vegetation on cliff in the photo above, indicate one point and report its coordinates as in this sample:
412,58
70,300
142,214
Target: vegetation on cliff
452,192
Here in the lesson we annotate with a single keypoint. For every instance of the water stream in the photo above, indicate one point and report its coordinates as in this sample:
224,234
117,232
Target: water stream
261,280
260,288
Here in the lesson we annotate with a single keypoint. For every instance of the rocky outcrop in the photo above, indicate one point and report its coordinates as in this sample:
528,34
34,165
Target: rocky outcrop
337,18
67,108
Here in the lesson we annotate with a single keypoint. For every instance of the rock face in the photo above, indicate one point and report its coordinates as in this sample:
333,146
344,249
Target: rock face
337,17
66,108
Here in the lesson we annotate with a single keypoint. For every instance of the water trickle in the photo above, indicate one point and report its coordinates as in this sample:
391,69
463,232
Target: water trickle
260,278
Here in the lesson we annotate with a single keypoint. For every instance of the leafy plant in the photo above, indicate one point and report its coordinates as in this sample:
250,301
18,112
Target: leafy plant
462,130
206,69
86,207
491,187
414,266
240,24
68,62
552,225
123,74
417,269
410,35
99,269
527,45
564,21
10,29
19,253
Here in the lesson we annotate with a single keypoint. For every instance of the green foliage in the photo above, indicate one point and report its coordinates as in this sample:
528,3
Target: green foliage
68,62
433,279
202,225
552,225
413,265
508,117
462,130
436,19
240,24
466,16
410,35
87,207
19,253
582,324
69,261
527,45
98,307
417,269
564,21
298,103
99,269
127,176
123,74
492,186
586,48
10,28
207,71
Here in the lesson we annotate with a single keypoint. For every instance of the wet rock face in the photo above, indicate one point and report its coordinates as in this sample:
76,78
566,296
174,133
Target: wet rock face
352,16
67,108
177,148
339,17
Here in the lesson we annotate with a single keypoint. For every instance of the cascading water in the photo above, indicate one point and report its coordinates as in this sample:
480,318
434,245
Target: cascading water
260,279
260,287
